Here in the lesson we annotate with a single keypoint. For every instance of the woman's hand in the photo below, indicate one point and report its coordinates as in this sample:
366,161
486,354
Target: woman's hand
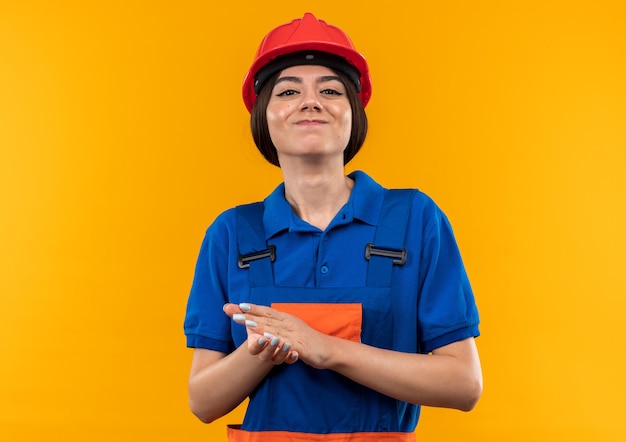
302,341
264,341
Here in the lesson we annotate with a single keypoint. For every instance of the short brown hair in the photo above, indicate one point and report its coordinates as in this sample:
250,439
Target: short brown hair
261,133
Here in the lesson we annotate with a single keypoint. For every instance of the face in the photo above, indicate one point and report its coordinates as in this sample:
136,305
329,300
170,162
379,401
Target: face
309,114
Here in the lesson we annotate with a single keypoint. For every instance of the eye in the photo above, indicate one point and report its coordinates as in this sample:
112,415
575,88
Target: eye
331,92
286,93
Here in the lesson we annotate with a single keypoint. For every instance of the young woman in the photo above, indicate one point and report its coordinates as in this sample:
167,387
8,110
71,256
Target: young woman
338,307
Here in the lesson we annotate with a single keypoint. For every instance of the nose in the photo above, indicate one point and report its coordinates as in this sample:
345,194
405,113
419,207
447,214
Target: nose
310,102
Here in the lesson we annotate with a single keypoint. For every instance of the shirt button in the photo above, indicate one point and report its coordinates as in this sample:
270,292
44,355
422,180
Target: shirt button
324,269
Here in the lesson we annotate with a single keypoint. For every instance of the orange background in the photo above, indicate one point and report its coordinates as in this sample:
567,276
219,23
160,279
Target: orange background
123,134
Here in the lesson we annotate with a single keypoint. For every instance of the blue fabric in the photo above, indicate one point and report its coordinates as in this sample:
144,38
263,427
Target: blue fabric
431,304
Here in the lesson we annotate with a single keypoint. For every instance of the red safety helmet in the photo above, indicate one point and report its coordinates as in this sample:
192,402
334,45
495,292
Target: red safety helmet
307,34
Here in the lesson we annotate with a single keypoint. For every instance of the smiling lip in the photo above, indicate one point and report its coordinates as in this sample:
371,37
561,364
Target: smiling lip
310,122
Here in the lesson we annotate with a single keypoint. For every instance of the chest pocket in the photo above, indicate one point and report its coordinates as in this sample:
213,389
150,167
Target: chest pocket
339,320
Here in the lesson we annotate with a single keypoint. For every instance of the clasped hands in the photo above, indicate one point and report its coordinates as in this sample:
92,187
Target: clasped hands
277,336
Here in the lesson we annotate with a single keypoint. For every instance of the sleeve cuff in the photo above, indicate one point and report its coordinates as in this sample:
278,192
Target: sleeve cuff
197,341
449,338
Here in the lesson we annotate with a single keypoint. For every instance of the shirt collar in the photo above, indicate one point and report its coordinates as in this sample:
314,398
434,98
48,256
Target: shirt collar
365,202
366,198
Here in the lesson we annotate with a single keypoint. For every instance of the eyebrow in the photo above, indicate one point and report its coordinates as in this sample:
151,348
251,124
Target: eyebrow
322,79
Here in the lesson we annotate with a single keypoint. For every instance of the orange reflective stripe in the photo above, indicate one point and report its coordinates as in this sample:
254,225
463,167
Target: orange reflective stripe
340,320
237,435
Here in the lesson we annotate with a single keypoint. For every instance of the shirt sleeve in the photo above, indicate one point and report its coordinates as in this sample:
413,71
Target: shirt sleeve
447,309
206,325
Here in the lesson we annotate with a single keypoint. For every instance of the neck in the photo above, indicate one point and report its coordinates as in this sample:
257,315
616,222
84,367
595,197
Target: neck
317,194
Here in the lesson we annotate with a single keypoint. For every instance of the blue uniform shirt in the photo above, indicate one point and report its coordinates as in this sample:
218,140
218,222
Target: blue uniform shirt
431,303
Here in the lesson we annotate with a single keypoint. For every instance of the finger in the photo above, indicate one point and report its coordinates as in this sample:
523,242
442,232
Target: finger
231,309
272,345
240,318
256,343
259,310
292,357
281,354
